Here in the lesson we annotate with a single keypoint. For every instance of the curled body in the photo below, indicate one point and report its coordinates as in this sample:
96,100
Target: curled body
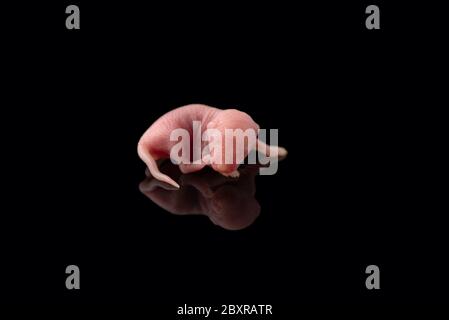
156,143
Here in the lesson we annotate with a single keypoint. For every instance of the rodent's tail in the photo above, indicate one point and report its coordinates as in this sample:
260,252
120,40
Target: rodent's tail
271,151
146,157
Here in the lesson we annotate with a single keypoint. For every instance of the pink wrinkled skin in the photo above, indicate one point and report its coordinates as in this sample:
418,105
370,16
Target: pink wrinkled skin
155,143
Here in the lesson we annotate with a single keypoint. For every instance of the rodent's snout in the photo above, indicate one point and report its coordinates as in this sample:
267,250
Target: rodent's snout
224,168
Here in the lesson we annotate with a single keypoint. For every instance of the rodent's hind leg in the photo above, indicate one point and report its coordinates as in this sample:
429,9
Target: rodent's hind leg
271,151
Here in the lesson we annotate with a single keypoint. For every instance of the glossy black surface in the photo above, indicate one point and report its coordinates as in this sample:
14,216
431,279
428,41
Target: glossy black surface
356,188
228,202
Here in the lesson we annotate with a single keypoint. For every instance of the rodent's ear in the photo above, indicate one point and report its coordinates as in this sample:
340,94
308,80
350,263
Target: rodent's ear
212,125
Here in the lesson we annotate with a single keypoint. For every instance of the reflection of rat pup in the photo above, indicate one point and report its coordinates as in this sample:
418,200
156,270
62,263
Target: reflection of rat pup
155,143
229,203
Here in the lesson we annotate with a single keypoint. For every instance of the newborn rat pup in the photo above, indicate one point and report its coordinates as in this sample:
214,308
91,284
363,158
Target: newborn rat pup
157,143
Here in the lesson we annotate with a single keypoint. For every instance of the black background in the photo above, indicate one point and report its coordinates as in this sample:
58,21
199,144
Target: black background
351,107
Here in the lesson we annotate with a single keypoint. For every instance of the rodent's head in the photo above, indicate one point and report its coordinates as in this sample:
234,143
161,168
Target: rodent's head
233,134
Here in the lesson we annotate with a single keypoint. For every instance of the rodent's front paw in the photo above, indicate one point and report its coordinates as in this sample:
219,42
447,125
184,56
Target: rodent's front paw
233,174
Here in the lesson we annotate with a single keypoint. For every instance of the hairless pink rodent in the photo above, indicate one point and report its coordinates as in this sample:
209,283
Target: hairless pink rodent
155,143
